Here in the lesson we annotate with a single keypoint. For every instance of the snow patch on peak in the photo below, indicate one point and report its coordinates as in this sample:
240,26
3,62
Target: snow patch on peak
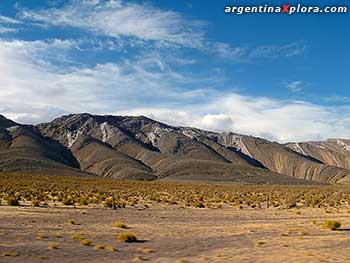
297,148
321,146
72,136
343,145
157,133
107,131
236,141
189,133
197,133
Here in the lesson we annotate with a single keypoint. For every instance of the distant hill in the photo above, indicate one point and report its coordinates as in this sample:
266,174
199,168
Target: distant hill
140,148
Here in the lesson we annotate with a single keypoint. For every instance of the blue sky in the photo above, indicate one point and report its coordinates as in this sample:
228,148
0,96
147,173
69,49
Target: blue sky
281,77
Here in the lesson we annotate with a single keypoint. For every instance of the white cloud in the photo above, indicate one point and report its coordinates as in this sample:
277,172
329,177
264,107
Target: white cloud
248,54
7,24
9,20
33,90
31,81
118,18
268,118
295,86
4,29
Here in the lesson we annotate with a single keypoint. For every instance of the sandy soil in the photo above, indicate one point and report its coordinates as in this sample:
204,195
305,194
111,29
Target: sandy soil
174,234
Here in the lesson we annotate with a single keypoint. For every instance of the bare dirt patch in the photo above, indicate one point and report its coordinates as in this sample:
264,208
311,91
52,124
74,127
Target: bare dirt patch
172,234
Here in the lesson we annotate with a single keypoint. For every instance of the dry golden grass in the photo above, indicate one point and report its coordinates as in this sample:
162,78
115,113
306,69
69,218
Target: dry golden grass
120,225
92,191
127,237
52,245
71,221
9,254
85,242
331,224
76,236
99,246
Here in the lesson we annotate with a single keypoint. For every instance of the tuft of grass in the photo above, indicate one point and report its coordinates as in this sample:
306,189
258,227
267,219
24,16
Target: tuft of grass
110,248
199,204
76,236
85,242
52,245
12,201
120,225
127,237
99,246
71,221
109,203
41,236
259,243
303,233
57,235
68,201
9,254
331,224
35,203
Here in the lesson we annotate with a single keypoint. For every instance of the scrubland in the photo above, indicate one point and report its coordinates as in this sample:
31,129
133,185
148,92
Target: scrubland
70,219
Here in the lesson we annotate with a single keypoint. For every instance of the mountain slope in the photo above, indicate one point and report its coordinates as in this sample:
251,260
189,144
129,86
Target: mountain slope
159,150
24,150
125,147
334,152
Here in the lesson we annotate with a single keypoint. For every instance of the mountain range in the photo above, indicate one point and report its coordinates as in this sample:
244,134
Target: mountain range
139,148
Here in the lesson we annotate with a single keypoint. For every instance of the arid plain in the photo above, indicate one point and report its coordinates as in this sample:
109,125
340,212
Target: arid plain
72,221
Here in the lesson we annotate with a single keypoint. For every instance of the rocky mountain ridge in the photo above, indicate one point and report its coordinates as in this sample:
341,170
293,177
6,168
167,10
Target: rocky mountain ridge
125,147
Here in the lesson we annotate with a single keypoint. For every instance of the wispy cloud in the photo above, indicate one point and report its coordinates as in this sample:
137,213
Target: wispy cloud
4,29
32,79
337,99
9,20
249,54
295,86
39,80
122,19
8,24
279,120
34,90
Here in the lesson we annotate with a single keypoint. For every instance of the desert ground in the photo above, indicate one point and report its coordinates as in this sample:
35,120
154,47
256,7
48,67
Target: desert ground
172,234
71,219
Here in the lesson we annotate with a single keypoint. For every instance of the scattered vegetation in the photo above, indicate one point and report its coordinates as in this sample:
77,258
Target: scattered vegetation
12,201
41,236
9,254
120,225
259,243
35,203
331,224
76,236
93,191
110,248
52,245
71,221
127,237
99,246
85,242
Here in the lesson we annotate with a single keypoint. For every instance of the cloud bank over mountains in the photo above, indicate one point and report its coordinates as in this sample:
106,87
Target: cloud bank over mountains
43,78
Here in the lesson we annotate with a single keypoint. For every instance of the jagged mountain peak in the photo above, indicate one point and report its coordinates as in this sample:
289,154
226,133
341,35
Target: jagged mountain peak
138,147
